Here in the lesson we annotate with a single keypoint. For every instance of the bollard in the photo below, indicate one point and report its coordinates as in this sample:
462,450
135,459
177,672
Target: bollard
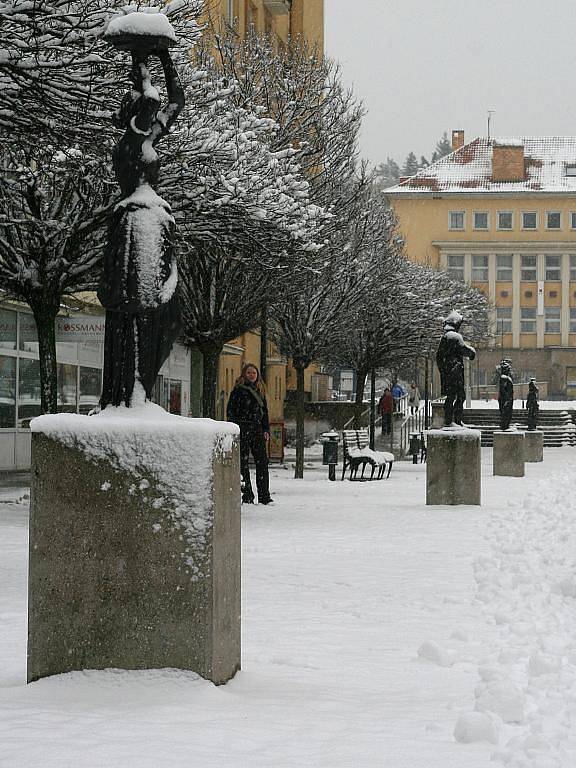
330,452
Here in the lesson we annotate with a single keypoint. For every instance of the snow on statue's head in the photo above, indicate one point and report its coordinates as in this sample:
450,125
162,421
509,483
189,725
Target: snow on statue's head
453,321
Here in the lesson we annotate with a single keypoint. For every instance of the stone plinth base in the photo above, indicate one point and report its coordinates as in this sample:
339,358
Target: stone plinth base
134,544
533,446
508,454
453,466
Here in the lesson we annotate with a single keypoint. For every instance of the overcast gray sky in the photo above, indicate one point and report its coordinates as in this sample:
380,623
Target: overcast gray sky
422,67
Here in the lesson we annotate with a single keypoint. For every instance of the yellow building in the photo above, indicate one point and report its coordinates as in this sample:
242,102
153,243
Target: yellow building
282,19
500,214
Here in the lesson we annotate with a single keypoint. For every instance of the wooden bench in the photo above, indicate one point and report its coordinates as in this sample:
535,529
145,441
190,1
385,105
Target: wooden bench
357,454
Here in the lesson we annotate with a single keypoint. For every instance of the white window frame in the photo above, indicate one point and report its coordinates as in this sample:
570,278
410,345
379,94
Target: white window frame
450,269
553,213
558,268
531,213
499,267
503,323
457,229
505,229
533,269
572,319
530,318
484,213
573,266
483,269
553,316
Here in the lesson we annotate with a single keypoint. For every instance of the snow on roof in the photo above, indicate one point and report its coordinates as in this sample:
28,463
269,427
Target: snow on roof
469,169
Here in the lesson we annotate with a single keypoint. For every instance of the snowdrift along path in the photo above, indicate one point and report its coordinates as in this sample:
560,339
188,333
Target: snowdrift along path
374,630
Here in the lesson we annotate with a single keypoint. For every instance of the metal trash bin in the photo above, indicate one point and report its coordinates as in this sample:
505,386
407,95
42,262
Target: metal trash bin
330,452
415,446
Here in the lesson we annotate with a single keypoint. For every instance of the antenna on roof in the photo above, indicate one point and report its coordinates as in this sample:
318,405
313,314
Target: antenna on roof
490,113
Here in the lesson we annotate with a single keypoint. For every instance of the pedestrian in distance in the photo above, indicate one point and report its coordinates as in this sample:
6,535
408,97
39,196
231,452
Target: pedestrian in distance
247,407
385,406
413,398
397,394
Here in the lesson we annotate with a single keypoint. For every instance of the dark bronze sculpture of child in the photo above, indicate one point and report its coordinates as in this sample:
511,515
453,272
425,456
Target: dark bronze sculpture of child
505,394
450,361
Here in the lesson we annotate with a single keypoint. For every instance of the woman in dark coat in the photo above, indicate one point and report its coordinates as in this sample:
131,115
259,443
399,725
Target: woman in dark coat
247,407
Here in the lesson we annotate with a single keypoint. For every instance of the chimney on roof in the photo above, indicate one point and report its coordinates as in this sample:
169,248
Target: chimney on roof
457,140
508,161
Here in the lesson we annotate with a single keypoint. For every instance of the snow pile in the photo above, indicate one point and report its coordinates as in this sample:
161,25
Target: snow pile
528,588
145,22
170,458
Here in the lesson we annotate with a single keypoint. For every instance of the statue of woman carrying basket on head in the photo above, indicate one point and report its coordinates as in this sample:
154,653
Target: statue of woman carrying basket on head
138,287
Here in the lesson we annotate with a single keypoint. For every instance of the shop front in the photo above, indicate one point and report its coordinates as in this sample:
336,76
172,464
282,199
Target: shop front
79,354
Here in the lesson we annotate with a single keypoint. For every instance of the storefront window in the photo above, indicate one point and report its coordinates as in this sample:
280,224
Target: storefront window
90,386
67,388
28,336
176,397
7,329
28,391
7,392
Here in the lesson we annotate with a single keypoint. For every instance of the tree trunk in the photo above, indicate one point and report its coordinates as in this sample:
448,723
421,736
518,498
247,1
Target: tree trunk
359,401
264,343
299,469
210,360
372,407
45,319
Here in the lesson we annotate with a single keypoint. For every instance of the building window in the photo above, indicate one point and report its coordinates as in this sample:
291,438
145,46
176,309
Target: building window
480,220
503,320
7,329
571,170
67,387
480,268
505,220
28,391
504,267
553,220
7,392
456,221
230,11
573,266
551,319
528,267
527,319
90,388
572,319
529,220
455,266
553,268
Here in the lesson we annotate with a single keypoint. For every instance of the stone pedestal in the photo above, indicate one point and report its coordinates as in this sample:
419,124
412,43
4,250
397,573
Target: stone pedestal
533,446
508,454
453,466
134,544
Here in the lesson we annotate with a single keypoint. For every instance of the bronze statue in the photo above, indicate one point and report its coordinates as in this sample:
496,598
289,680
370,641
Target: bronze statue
139,278
450,361
505,394
532,405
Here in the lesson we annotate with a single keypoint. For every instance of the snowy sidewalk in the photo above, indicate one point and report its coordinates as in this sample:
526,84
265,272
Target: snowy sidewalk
372,625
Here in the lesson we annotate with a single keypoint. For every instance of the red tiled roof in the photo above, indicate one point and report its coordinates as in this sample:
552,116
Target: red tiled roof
469,169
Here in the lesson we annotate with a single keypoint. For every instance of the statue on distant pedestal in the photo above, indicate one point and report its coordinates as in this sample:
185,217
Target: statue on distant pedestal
505,394
450,361
532,405
138,286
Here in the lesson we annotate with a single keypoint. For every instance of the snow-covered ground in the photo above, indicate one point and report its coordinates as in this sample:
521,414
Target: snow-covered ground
374,630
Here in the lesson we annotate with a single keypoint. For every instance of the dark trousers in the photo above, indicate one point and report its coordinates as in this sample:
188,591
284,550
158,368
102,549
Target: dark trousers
386,423
252,442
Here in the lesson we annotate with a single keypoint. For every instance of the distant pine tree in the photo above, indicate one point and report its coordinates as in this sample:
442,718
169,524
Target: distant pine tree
410,167
443,147
387,174
423,162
